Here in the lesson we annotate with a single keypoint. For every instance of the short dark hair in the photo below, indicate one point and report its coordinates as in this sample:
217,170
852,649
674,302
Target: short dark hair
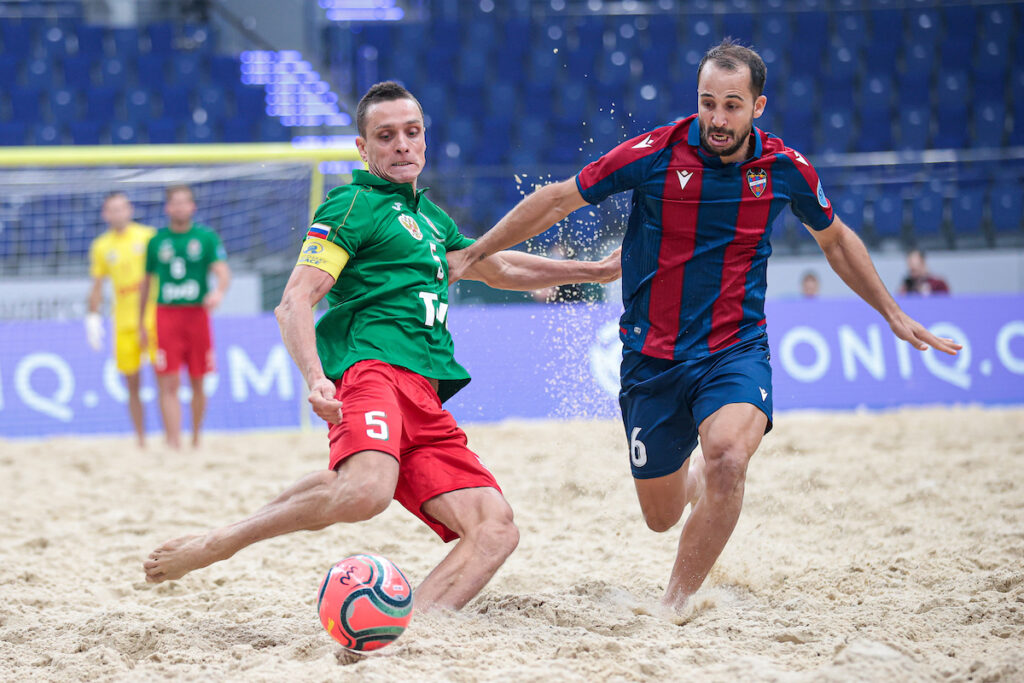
385,91
729,55
174,189
114,193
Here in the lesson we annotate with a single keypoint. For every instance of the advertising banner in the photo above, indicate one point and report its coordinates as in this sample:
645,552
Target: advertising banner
533,361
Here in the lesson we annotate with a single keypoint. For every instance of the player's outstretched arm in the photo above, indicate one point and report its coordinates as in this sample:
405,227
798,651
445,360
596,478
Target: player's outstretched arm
222,273
849,258
306,287
520,271
533,215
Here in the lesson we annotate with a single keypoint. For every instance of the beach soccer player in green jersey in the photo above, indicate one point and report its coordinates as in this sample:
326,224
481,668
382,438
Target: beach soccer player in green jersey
179,258
380,362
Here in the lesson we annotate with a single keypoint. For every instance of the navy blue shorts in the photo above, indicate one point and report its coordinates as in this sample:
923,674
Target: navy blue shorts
663,402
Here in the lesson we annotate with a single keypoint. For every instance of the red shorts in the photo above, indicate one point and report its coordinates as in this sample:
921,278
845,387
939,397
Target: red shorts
395,411
183,336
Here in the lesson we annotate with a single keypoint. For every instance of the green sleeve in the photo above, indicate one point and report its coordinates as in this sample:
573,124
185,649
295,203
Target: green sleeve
455,240
348,215
217,248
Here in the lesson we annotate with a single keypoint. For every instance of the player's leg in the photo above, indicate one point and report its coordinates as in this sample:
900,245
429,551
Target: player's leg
169,357
729,438
487,536
731,403
170,408
200,360
128,356
134,384
198,407
362,486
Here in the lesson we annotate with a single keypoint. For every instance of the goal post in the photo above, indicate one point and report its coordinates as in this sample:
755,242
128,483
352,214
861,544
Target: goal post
254,195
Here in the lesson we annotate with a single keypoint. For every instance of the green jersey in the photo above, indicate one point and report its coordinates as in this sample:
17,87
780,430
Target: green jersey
390,300
181,261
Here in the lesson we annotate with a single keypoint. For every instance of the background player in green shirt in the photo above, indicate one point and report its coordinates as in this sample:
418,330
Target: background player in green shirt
180,258
377,250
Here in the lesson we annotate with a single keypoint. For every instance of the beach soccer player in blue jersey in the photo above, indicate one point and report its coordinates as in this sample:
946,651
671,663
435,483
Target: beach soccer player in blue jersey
695,351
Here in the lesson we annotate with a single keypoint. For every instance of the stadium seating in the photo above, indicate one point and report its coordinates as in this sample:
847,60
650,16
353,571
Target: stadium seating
554,84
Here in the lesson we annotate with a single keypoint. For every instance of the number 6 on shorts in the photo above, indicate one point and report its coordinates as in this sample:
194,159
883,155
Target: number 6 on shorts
637,449
376,419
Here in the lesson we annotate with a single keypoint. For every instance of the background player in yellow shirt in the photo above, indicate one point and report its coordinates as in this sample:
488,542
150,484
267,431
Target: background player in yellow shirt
120,254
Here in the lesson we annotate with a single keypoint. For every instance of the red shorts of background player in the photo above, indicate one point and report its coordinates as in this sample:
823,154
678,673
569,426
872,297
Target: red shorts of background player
390,409
183,337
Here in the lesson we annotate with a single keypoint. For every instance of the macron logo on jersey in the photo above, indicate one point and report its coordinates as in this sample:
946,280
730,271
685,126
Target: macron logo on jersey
318,231
684,177
643,144
800,158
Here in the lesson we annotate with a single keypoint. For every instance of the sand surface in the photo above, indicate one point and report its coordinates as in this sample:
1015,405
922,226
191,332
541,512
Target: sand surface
871,548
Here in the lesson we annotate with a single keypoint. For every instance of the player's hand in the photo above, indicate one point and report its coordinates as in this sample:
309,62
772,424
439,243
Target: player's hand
610,267
321,397
212,299
909,330
94,331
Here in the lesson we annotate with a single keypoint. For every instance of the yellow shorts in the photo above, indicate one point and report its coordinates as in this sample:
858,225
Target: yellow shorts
127,351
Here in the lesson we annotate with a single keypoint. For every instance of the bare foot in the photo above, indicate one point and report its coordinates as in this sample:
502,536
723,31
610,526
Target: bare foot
178,557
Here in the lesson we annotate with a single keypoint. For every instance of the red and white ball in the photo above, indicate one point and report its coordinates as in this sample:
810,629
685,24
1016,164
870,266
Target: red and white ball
365,602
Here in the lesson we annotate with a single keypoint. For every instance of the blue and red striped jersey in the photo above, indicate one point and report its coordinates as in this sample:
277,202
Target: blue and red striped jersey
695,253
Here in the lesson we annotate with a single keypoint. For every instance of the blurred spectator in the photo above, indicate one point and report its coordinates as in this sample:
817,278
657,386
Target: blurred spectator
810,286
918,280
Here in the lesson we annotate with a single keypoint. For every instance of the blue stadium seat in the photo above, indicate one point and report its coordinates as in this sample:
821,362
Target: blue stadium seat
25,102
798,127
162,131
46,134
915,128
502,99
836,130
100,102
85,132
462,132
1006,205
10,65
271,130
225,70
989,124
138,106
997,23
990,73
888,215
849,205
176,102
967,214
39,71
927,213
187,67
237,130
574,104
161,38
807,50
78,71
876,93
951,130
212,100
851,28
90,40
918,60
251,104
125,41
775,31
198,132
12,133
124,133
54,43
739,25
113,72
17,38
78,236
151,69
468,100
923,27
64,106
875,131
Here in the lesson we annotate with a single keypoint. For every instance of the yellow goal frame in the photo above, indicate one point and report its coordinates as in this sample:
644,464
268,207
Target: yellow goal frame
182,155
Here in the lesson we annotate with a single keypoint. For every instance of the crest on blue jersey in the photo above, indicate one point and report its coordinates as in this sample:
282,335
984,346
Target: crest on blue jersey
757,179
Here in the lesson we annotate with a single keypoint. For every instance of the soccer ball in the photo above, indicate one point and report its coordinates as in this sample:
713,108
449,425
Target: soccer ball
365,602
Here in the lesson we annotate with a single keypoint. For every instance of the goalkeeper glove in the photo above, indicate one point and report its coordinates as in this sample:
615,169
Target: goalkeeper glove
94,330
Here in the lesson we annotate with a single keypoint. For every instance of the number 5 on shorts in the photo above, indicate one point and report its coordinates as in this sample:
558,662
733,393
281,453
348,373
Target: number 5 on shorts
376,427
637,449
